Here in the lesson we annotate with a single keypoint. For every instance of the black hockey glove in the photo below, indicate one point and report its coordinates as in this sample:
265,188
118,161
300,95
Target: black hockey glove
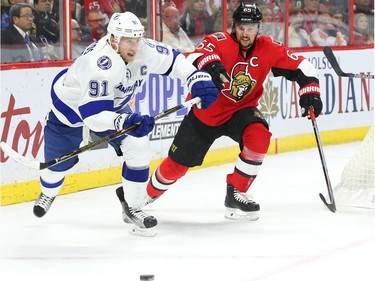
218,73
308,100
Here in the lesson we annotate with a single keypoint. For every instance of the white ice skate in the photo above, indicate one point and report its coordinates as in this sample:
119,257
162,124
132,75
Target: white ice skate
42,205
140,222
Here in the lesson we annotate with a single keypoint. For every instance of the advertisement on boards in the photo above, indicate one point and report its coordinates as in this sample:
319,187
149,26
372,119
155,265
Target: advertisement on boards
347,103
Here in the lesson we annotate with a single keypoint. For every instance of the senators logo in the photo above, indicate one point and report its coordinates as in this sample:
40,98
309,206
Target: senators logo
242,83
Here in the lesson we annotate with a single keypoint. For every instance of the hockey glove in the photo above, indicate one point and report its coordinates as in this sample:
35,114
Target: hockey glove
200,85
310,96
145,124
218,73
308,100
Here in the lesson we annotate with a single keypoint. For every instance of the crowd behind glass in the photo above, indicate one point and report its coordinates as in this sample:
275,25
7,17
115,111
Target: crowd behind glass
31,30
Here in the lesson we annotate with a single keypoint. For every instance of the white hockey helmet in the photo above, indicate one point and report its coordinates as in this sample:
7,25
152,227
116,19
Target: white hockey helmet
125,25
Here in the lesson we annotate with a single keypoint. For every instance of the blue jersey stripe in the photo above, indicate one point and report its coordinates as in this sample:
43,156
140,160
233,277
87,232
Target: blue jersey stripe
136,175
64,109
175,54
95,107
51,185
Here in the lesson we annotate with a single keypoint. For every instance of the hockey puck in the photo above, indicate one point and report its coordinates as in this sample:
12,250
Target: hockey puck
147,277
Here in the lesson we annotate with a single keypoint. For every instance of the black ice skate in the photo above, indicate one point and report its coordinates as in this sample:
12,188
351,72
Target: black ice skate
240,206
42,205
141,223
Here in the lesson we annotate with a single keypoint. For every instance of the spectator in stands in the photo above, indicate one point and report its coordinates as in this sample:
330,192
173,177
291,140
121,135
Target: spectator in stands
195,19
93,5
180,4
46,22
55,9
16,43
111,7
232,5
5,21
95,23
298,37
277,9
166,4
328,5
269,26
173,34
213,7
362,34
366,7
339,9
339,24
310,13
77,12
77,45
137,7
144,22
325,33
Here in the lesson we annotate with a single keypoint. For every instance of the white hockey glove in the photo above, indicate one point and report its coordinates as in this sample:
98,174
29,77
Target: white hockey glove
200,85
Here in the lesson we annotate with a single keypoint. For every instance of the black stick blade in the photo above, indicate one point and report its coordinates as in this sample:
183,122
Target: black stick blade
336,67
331,207
332,60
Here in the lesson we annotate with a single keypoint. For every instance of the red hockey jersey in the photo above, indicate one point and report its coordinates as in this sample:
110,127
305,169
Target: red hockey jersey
248,71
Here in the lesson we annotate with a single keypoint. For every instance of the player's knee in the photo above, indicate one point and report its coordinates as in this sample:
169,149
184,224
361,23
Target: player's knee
136,151
257,137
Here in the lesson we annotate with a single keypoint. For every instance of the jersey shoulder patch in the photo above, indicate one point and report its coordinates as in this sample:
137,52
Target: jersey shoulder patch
104,62
219,36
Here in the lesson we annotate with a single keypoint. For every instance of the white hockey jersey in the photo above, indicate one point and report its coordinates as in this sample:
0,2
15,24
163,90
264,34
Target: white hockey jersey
98,85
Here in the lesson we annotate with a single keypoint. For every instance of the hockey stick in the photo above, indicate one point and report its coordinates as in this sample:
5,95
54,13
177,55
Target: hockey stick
332,205
43,165
332,60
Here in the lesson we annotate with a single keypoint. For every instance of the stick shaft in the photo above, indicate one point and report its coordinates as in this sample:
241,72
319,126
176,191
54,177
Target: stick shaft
40,165
323,160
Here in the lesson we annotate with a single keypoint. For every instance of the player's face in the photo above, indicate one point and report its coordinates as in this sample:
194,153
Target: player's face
128,47
246,34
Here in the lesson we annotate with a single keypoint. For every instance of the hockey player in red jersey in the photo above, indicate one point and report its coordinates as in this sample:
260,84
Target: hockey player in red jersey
247,58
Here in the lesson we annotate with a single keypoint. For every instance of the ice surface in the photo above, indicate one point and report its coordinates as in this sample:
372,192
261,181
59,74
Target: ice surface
296,238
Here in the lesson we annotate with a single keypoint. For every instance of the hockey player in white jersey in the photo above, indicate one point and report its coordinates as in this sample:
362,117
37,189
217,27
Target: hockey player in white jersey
94,91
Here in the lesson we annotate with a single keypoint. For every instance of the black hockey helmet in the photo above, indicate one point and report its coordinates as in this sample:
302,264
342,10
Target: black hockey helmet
247,13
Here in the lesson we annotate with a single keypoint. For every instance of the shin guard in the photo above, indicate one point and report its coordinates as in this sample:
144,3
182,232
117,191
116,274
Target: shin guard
256,140
164,176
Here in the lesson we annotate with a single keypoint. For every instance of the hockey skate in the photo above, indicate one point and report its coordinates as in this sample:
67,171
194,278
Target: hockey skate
42,205
149,199
140,222
240,206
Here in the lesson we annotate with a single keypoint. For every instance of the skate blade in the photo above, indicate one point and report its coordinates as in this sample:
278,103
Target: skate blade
144,232
236,214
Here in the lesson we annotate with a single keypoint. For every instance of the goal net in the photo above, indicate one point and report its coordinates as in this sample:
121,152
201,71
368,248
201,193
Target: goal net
356,188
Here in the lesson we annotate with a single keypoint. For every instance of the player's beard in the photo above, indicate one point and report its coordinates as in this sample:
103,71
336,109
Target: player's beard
246,42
